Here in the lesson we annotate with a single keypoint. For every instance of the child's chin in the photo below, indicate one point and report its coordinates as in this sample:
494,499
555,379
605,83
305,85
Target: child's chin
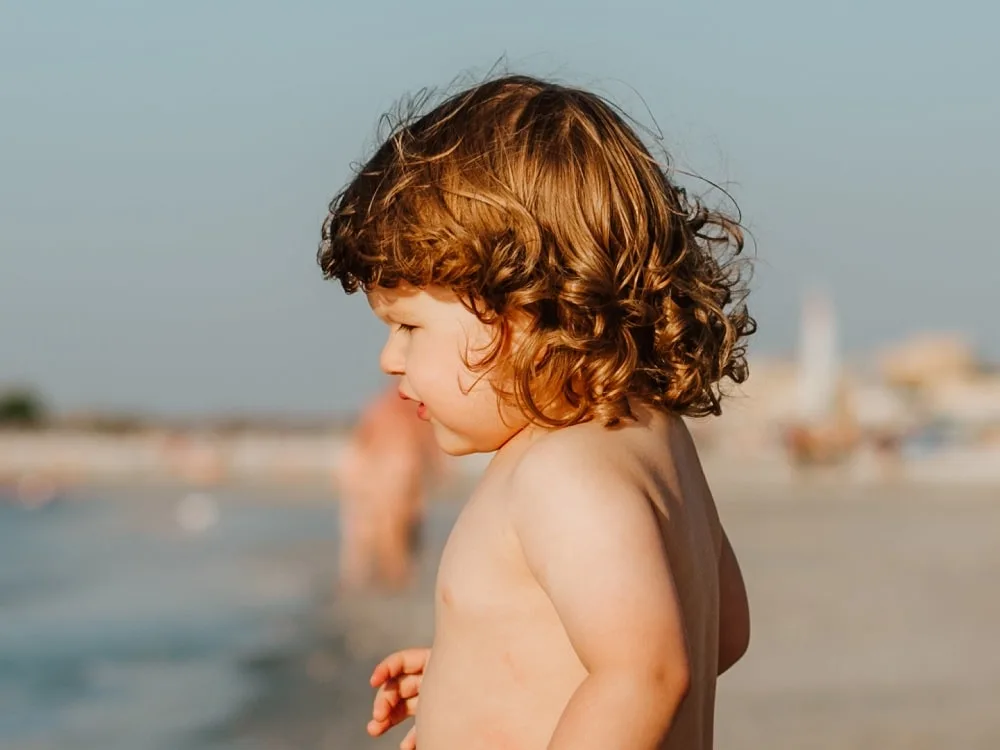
453,448
452,443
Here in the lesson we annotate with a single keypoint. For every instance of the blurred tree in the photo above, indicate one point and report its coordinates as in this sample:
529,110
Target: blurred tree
21,407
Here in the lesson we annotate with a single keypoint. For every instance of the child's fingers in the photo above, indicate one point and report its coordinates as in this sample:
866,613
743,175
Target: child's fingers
410,740
397,696
386,699
377,727
409,686
407,661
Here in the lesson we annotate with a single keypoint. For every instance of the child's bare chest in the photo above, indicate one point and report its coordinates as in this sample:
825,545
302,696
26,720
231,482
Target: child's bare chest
492,618
481,569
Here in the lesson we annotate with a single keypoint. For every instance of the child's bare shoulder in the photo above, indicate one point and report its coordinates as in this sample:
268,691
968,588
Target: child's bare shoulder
627,454
586,450
590,465
635,475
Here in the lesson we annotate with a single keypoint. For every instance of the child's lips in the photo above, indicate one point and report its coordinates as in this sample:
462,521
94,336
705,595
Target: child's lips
421,408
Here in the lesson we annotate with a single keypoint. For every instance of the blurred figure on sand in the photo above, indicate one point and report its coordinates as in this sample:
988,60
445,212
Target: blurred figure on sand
382,477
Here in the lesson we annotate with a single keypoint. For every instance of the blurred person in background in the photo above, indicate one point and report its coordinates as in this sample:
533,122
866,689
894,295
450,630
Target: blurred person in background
382,478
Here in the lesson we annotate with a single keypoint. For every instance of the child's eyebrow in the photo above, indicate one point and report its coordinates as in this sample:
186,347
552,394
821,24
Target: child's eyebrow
388,309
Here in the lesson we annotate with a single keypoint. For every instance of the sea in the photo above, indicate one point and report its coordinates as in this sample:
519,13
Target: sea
128,615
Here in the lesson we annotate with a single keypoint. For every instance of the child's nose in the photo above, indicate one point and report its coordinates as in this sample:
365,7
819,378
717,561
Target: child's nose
391,359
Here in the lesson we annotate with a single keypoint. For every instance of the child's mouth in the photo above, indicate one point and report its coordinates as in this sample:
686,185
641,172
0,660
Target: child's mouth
422,411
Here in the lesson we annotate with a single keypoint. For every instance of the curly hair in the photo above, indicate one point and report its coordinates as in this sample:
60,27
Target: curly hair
536,202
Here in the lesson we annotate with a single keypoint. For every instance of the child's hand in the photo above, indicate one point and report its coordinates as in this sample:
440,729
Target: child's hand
398,678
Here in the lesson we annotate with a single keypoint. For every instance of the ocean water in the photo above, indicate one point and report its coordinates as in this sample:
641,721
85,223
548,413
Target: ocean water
120,630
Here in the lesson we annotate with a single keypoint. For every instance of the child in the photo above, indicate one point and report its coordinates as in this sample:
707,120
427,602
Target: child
552,297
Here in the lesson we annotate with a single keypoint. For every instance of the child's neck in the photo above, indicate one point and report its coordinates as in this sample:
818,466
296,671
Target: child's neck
518,443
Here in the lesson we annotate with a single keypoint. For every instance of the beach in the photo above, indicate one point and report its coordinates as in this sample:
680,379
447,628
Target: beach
874,619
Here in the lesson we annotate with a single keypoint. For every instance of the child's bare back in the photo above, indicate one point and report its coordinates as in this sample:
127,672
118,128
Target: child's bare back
636,561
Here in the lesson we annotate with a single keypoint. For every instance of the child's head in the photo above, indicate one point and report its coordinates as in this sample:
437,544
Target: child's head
536,209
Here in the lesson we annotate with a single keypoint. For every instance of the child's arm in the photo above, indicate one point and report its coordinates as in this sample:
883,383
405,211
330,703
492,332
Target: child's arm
594,545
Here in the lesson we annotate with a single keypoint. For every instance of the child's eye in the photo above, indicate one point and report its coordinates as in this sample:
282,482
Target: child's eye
404,327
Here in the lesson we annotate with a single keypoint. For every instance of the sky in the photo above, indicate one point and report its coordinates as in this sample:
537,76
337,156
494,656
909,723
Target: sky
165,169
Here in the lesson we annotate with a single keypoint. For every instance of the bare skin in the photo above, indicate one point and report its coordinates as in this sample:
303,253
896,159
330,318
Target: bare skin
587,598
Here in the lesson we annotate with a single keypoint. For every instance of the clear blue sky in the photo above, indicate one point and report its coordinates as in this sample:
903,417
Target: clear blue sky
164,169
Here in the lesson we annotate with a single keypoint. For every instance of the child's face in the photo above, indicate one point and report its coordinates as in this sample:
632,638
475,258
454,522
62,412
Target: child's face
429,332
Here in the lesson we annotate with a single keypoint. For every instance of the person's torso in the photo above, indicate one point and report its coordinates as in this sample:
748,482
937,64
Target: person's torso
502,668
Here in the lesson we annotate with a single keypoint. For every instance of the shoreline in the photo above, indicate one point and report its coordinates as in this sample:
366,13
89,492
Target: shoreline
38,464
